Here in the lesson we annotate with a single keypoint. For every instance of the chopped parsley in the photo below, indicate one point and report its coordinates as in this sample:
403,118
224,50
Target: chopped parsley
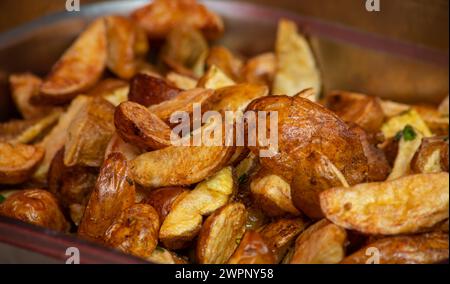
2,198
408,133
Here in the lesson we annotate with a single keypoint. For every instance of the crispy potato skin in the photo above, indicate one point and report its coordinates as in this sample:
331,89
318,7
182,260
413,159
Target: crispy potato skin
127,44
78,69
304,127
135,124
322,243
414,249
18,162
161,16
114,191
259,69
281,234
89,134
405,205
35,206
432,156
149,90
365,111
237,97
135,231
106,87
163,199
219,234
116,144
252,250
225,60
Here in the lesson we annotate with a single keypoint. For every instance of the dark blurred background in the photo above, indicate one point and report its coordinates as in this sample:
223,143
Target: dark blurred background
424,22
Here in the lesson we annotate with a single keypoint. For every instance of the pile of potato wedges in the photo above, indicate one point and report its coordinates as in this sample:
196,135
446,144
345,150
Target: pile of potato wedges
356,179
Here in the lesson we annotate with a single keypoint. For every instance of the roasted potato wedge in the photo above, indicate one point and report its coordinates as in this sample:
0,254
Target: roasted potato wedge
220,233
184,221
296,69
365,111
114,192
135,124
432,156
149,90
163,256
106,86
281,234
135,231
127,45
79,68
237,97
260,69
161,16
18,162
214,78
322,243
405,205
436,121
163,199
443,107
272,194
35,206
415,249
116,144
225,60
391,108
181,81
305,127
89,134
397,123
252,249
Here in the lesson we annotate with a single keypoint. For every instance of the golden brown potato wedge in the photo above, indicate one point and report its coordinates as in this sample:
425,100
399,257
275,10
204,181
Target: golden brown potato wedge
23,87
114,191
260,69
181,81
397,123
391,108
184,221
135,124
415,249
78,69
163,199
225,60
255,218
436,121
281,234
366,111
272,194
220,233
432,156
116,144
127,45
252,250
305,127
163,256
443,107
214,78
161,16
322,243
89,133
135,231
149,90
296,68
237,97
405,205
106,86
35,206
18,162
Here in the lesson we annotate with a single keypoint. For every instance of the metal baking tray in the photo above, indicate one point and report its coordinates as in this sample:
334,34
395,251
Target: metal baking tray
348,58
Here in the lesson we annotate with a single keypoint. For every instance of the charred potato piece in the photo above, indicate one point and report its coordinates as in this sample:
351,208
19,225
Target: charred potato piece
161,16
366,111
116,144
436,121
220,233
214,78
252,250
184,221
281,234
225,60
18,162
432,156
78,69
322,243
272,194
405,205
89,133
127,45
296,68
312,178
149,90
260,69
114,191
135,124
135,231
35,206
416,249
237,97
182,82
163,199
305,127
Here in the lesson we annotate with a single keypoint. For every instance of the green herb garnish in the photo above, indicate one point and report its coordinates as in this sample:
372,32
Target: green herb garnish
243,179
2,198
408,133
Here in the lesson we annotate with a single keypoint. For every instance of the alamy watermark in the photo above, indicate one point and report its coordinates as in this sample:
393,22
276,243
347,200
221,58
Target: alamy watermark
73,5
373,5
